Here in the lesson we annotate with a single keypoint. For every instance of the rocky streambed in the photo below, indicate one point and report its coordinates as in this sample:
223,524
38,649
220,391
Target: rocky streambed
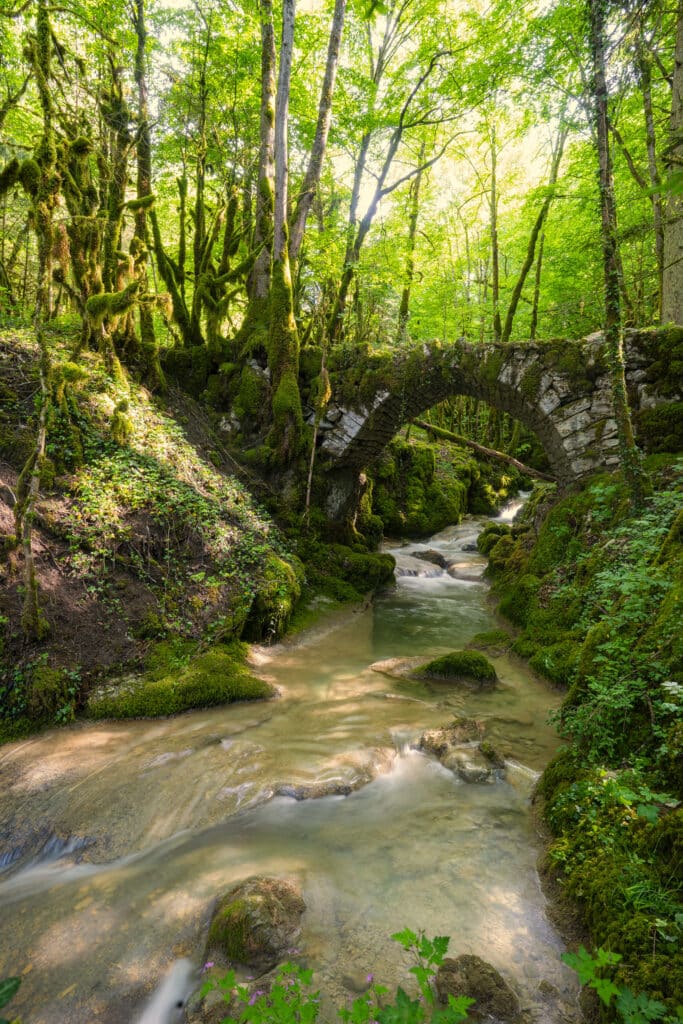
387,801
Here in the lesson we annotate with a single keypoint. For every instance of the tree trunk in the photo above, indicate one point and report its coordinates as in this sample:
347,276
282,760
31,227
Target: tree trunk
533,239
495,254
645,77
537,288
283,341
480,449
672,285
315,163
629,455
152,367
404,308
253,333
32,620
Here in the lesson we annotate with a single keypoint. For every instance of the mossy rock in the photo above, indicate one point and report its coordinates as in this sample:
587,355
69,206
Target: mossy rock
257,923
467,667
278,590
661,429
518,602
557,662
490,536
217,676
48,692
469,975
501,552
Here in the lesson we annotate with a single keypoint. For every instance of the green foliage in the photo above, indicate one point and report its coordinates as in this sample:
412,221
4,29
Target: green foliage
291,1000
8,989
630,1008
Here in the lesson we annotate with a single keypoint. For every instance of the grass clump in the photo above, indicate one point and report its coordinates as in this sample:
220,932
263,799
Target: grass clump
468,667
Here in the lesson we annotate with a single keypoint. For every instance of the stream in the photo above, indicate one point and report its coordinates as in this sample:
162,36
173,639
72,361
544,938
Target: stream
116,837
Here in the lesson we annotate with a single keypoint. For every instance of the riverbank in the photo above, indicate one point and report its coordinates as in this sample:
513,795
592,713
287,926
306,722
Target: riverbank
155,552
594,589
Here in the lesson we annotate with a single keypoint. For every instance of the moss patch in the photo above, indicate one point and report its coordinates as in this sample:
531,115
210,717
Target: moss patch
279,589
216,676
469,667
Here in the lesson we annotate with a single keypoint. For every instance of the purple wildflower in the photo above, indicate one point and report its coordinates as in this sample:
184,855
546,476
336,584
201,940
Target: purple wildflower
207,966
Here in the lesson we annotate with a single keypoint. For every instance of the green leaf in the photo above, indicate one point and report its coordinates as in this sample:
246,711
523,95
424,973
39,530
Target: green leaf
8,989
406,938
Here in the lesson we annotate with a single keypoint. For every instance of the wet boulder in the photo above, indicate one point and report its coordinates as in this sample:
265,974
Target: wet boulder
440,742
257,923
468,975
459,747
430,555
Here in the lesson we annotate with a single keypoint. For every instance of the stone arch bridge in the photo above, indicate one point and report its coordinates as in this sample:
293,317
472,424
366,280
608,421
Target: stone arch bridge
560,390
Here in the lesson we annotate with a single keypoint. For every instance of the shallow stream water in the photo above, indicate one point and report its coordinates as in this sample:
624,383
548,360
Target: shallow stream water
117,837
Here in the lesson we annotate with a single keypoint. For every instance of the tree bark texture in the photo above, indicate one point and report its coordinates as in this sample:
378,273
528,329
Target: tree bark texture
629,455
672,284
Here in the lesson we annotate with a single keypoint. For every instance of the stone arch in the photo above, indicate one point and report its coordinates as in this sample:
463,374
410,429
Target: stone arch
560,390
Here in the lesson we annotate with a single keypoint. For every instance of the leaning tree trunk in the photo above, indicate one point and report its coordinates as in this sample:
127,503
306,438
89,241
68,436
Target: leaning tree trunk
536,232
672,284
629,455
253,333
283,340
315,163
495,251
404,307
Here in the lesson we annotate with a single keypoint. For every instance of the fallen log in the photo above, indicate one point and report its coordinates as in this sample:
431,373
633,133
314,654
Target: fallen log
480,449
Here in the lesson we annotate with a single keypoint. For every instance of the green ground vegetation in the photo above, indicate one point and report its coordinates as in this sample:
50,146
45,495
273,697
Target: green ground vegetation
595,589
152,545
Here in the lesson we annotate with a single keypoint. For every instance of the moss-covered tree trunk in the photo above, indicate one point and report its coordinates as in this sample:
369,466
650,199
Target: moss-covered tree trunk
672,284
628,452
283,340
47,191
140,247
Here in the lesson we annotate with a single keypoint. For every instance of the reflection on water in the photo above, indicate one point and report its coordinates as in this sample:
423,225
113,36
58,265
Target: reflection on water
175,811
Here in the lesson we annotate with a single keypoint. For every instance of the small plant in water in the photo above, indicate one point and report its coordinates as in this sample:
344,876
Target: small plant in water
292,1001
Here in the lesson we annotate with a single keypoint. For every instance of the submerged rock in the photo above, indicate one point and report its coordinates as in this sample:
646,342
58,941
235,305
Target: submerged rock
471,976
360,774
459,749
257,922
442,741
